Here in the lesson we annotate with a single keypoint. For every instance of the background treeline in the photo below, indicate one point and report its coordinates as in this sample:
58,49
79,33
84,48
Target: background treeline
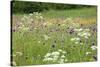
29,7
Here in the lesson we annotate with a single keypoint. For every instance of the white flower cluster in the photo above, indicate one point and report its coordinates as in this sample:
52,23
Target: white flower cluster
27,18
57,56
46,37
38,15
26,21
75,39
18,54
83,33
93,47
70,23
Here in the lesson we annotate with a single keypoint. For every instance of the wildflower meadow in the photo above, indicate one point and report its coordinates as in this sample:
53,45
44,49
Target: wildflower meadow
54,36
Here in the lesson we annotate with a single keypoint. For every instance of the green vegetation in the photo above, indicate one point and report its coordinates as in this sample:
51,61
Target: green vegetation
52,36
29,7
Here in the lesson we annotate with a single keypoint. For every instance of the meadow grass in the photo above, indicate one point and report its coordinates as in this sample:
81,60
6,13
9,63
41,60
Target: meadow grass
32,46
84,12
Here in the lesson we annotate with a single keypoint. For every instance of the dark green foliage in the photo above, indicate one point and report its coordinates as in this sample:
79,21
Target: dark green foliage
29,7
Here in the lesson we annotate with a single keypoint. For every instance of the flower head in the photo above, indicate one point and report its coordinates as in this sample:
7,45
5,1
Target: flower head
93,47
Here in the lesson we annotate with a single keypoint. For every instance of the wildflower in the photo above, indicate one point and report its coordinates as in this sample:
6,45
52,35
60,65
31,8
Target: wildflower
66,60
14,55
88,53
26,57
63,25
75,39
93,43
39,41
72,39
95,57
61,61
53,46
48,54
87,30
69,18
19,53
94,29
48,59
31,19
93,47
55,53
71,31
44,24
30,14
48,23
78,30
81,43
41,17
64,52
60,50
43,43
14,63
13,30
80,34
35,28
86,37
55,58
58,24
86,34
46,37
22,19
62,56
75,29
26,28
76,42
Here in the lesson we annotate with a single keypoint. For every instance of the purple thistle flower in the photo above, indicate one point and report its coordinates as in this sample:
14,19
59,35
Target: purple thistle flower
53,46
95,57
43,43
93,43
13,30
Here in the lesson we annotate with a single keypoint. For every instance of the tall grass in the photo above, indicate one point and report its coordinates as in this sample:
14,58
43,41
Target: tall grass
30,46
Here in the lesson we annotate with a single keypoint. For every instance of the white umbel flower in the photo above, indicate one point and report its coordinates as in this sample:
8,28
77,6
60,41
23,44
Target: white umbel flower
48,59
60,50
46,37
55,53
64,52
62,56
48,54
61,61
19,53
93,47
